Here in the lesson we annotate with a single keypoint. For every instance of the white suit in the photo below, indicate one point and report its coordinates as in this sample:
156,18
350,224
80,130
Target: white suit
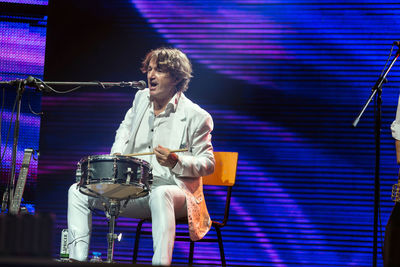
191,127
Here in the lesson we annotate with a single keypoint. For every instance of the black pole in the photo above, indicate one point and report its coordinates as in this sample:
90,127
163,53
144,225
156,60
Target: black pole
378,117
376,90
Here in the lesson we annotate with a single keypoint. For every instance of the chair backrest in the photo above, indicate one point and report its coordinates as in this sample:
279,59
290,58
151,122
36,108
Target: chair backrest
224,171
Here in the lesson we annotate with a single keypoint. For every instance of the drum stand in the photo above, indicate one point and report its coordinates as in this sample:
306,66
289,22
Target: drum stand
112,212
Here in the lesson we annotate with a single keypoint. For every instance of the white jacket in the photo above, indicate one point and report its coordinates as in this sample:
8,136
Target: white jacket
192,128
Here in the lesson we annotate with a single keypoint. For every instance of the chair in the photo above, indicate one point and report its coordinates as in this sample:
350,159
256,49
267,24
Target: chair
224,175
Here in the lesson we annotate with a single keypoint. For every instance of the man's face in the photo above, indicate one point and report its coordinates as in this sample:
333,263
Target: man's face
161,83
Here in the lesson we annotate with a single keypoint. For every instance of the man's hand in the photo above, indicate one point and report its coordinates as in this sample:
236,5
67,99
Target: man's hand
165,157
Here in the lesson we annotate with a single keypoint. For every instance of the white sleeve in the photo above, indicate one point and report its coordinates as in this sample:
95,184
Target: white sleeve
201,162
395,127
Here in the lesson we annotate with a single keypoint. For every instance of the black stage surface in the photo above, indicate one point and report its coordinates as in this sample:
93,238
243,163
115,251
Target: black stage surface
14,261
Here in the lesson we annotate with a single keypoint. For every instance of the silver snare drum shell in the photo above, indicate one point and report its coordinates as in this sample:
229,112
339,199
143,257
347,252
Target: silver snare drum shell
114,176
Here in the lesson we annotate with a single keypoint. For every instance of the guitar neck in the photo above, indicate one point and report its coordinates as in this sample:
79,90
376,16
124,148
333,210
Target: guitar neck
19,190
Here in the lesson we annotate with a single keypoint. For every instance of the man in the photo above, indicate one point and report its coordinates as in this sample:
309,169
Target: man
391,252
161,119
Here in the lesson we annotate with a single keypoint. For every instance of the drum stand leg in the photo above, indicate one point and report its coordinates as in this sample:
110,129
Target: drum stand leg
112,213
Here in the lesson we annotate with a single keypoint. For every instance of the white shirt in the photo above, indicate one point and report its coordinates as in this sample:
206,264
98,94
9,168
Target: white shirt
153,131
395,127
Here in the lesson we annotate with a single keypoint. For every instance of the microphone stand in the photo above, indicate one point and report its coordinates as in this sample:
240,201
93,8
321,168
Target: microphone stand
376,90
9,193
43,86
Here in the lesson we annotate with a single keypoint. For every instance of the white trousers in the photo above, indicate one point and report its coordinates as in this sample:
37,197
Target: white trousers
163,205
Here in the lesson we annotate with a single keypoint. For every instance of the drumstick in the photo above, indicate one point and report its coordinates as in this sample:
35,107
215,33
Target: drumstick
151,153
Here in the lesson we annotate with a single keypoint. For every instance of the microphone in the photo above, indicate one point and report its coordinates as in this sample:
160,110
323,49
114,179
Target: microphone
140,85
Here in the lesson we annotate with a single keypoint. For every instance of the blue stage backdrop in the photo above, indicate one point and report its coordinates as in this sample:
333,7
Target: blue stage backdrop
22,52
283,81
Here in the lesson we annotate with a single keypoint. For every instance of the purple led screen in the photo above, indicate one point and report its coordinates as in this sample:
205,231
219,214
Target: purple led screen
22,51
283,81
30,2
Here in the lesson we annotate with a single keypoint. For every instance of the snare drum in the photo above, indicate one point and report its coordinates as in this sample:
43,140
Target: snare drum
114,176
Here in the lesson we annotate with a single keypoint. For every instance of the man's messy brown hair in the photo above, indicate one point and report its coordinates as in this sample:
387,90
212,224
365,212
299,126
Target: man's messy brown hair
173,61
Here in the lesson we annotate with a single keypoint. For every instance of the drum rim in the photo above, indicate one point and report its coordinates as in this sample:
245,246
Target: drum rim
87,191
112,157
132,183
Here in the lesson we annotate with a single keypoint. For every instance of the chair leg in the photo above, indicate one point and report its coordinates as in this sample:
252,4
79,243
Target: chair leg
137,237
221,246
191,253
